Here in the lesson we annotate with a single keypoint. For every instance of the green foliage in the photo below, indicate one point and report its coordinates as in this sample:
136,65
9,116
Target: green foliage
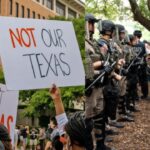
71,93
39,103
144,8
108,9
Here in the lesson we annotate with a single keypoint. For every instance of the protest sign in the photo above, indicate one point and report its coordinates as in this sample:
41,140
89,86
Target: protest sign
37,53
8,109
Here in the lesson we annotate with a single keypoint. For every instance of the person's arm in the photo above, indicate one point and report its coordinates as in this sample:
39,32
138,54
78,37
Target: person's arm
97,64
116,76
61,116
56,96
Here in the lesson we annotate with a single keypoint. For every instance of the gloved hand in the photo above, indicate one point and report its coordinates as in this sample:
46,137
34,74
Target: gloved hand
108,69
124,72
137,64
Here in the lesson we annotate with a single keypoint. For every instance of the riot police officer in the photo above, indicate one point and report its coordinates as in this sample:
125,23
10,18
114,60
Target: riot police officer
132,77
94,100
111,89
143,79
122,43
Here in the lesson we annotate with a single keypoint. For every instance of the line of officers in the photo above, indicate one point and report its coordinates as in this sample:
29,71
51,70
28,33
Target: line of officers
114,65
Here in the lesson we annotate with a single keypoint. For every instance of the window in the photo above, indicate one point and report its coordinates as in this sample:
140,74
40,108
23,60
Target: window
49,4
71,13
0,6
43,17
22,9
10,5
43,2
28,13
33,14
37,0
60,8
39,16
17,10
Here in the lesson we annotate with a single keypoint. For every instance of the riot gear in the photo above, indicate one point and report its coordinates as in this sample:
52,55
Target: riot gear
107,26
90,18
121,28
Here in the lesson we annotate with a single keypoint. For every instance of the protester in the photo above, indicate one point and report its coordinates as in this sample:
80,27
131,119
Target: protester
23,137
33,139
74,128
5,140
42,137
16,138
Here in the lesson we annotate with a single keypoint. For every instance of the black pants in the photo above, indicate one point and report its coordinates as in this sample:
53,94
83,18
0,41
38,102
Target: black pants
143,80
89,127
96,124
122,105
99,130
42,144
111,97
131,93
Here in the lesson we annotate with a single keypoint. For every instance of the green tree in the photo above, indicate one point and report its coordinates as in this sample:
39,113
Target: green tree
113,9
108,9
141,12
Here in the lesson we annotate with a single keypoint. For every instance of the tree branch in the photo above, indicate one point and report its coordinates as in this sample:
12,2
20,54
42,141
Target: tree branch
138,16
148,4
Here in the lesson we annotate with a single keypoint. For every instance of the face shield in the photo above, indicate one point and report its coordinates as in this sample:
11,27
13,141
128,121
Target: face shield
126,38
87,30
99,26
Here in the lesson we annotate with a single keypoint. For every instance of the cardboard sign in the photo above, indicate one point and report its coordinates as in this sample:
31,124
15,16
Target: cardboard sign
38,53
8,109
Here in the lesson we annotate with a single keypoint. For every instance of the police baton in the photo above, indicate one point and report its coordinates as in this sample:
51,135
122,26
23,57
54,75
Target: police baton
133,60
101,75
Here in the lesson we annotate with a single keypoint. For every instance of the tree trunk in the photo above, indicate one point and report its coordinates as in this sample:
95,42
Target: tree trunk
138,15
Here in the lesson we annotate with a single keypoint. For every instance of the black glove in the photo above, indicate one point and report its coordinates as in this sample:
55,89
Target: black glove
124,72
137,64
108,69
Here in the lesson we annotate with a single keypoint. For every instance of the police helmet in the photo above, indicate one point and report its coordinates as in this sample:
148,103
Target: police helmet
121,28
107,25
90,18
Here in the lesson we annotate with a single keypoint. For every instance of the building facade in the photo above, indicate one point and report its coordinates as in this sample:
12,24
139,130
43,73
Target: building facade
41,9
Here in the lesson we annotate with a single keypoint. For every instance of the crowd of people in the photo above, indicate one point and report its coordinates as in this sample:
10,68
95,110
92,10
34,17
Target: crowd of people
35,138
115,65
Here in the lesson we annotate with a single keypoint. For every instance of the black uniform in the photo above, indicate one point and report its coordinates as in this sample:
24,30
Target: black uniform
143,78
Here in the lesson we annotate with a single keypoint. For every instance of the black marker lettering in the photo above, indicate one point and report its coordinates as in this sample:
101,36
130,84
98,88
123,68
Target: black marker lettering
60,34
39,65
31,63
60,57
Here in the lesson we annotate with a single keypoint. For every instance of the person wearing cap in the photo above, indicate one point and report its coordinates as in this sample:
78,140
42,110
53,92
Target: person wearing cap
110,91
106,29
5,140
93,102
143,79
132,77
121,42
